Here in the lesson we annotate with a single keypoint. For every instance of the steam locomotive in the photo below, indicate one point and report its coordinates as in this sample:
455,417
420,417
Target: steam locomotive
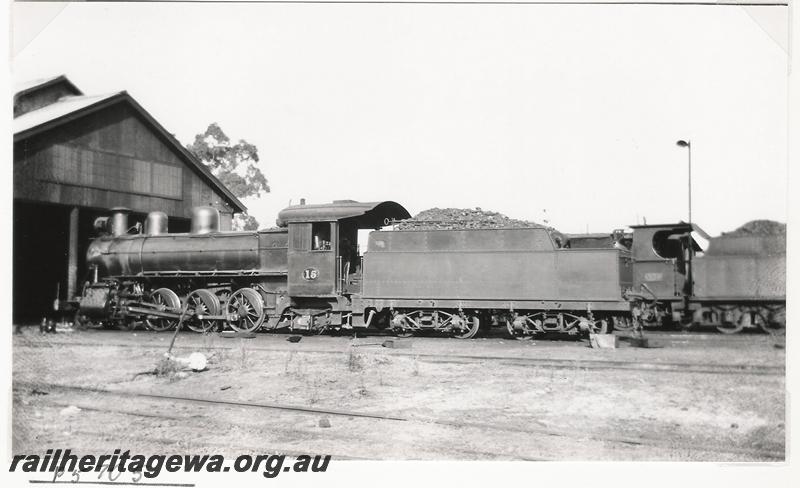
309,275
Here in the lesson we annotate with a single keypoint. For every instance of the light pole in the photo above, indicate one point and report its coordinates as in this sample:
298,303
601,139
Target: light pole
689,286
688,144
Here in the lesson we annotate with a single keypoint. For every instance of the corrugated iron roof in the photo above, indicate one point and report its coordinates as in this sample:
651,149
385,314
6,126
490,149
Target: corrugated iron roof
70,108
29,85
49,113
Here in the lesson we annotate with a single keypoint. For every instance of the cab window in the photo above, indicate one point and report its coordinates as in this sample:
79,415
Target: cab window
667,244
321,236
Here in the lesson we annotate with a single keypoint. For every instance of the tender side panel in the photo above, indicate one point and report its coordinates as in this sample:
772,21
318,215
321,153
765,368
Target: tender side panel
740,277
589,274
462,240
462,275
518,275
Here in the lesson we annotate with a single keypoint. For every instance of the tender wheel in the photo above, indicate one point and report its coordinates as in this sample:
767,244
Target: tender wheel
622,323
201,303
599,327
518,335
730,328
165,299
774,321
473,324
735,326
402,333
245,310
398,329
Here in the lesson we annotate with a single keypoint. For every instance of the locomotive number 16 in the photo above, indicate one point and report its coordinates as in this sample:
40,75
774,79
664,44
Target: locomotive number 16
310,274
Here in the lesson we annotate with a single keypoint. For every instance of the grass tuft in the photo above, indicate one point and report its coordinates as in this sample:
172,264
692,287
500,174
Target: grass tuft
167,368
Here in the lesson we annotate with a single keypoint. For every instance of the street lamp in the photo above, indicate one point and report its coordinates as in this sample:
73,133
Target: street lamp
688,145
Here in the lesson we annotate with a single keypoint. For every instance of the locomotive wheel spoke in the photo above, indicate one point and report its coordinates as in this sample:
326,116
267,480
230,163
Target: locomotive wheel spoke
245,310
202,302
599,326
166,298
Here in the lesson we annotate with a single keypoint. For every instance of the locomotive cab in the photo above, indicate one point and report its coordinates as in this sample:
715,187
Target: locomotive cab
663,255
323,255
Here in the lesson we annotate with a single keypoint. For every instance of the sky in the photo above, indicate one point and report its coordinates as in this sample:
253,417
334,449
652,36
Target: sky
567,114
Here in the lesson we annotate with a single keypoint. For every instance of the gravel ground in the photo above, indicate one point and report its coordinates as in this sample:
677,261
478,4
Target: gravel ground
461,410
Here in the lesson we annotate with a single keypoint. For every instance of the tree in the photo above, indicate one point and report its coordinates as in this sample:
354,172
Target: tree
235,165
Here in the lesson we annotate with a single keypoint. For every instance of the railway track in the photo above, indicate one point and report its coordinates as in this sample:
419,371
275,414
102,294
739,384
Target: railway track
763,454
547,363
299,410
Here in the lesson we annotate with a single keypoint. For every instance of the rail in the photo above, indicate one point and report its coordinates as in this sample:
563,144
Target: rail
767,454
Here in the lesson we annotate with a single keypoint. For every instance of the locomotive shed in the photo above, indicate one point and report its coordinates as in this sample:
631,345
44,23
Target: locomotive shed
76,156
693,397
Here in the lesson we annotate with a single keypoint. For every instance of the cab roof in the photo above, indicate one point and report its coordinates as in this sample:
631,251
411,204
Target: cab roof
680,226
366,214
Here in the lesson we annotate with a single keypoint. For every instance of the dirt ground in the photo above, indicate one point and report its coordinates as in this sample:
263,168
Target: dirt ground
446,399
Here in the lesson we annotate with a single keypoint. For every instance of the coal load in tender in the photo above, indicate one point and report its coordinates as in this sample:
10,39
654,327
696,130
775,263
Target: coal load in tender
467,218
759,237
758,228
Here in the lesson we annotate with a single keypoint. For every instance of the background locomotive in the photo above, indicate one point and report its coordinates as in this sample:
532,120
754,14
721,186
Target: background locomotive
309,275
738,282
